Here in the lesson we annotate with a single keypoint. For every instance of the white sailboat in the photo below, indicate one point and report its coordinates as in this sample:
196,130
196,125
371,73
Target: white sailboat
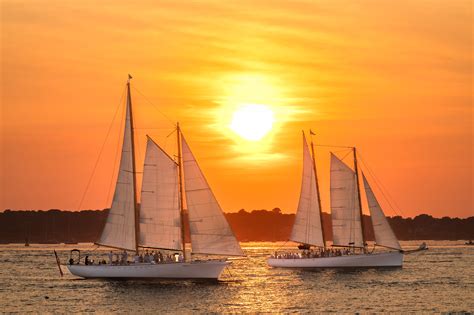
159,222
348,227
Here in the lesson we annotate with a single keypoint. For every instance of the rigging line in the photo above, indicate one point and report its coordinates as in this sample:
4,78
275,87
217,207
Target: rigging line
165,145
140,155
150,128
348,150
140,159
333,146
228,270
119,138
156,107
101,150
342,159
382,189
336,152
279,247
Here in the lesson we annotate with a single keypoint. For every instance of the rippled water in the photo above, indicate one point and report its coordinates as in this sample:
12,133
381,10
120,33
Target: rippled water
441,279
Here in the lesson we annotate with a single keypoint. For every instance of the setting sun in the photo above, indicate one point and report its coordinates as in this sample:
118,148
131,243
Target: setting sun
252,122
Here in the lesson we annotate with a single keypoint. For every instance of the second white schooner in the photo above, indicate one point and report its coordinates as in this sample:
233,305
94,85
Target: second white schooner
347,224
159,221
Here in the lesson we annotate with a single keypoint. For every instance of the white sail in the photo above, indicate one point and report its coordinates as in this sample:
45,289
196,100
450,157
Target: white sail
210,231
160,217
345,213
383,232
119,229
307,226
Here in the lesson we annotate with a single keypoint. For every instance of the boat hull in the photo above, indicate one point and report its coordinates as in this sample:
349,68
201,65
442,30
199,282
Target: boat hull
379,260
209,270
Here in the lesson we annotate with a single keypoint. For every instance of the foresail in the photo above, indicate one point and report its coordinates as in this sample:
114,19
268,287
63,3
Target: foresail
307,226
345,213
383,232
210,231
160,218
119,229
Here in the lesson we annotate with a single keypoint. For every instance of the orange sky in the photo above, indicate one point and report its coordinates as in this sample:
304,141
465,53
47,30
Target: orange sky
393,78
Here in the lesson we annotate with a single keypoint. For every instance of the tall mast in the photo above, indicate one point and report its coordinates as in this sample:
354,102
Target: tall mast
317,190
360,202
180,180
134,170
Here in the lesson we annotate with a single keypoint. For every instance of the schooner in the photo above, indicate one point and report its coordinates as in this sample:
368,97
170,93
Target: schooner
158,222
347,223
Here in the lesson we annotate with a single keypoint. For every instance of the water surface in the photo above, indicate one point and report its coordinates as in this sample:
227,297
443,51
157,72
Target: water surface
440,279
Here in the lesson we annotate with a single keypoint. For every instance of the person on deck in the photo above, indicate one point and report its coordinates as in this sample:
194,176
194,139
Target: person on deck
124,257
111,257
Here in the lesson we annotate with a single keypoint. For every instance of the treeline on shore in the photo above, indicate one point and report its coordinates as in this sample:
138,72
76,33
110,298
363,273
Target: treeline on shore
56,226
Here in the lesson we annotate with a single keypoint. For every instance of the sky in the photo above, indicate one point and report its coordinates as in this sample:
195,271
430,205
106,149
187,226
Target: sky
393,78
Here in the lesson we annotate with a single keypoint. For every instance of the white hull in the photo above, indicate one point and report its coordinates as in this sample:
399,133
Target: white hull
210,269
387,259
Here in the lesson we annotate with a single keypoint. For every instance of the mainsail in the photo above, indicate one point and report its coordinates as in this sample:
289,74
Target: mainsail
345,212
119,229
160,219
307,226
210,232
383,232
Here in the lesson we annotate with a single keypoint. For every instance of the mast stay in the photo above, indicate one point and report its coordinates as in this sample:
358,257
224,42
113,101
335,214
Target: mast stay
362,225
180,181
307,227
120,229
134,169
317,190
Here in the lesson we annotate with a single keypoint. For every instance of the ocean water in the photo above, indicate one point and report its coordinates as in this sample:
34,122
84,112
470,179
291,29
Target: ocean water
438,280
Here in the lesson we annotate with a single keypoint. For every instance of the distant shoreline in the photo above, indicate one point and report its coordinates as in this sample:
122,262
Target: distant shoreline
58,226
278,210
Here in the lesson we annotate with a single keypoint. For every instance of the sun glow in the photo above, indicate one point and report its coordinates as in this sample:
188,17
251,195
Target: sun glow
252,110
252,121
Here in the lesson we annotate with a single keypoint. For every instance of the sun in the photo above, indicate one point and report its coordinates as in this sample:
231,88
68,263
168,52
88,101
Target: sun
252,121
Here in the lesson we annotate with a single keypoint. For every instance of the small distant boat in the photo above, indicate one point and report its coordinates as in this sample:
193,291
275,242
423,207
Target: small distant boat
470,242
27,236
348,227
159,223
